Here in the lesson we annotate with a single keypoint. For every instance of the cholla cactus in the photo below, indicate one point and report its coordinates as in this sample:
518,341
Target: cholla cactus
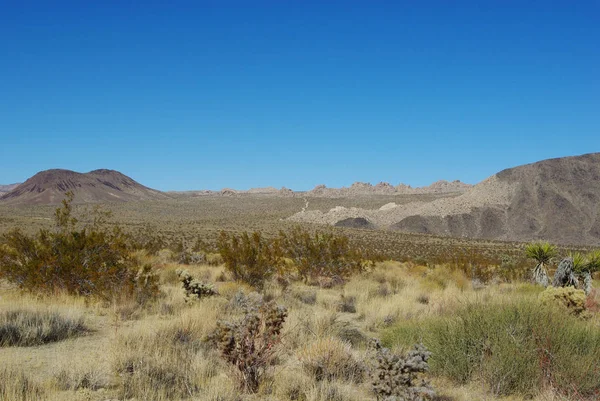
396,377
250,344
195,288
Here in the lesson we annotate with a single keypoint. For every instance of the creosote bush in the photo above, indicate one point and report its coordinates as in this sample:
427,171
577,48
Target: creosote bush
321,254
250,345
322,258
91,261
249,257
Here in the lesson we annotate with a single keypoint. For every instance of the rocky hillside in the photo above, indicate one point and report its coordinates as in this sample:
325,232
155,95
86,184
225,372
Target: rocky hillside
4,189
555,199
50,186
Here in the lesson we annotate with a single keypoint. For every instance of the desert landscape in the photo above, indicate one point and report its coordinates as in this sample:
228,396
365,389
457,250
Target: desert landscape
299,201
343,283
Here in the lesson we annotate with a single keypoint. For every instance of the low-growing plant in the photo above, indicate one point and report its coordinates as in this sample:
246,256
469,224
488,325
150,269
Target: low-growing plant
15,385
571,300
330,358
250,345
157,365
27,327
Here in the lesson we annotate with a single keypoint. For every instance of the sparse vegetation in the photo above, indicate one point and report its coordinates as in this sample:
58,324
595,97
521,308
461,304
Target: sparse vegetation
86,262
27,327
15,385
320,353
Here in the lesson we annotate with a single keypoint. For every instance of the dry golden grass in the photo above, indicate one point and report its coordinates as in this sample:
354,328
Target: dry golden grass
158,353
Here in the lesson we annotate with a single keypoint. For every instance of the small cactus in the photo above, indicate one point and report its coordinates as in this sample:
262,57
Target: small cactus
396,377
250,344
195,288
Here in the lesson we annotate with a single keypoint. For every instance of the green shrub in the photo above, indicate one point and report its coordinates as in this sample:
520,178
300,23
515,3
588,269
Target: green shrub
321,254
90,261
517,348
22,327
249,258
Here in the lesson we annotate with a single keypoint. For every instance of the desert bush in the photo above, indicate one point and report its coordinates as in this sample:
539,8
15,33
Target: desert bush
25,327
15,385
330,358
308,297
347,303
321,254
395,377
567,298
250,345
193,288
249,258
515,348
189,258
88,262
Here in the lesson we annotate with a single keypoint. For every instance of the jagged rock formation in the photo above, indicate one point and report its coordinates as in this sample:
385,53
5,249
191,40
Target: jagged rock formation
384,188
50,186
556,200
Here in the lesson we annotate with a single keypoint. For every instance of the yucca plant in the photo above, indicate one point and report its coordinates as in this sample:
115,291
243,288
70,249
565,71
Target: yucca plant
542,253
585,267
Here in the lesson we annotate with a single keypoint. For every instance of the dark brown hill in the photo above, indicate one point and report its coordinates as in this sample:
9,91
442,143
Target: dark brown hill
555,199
50,186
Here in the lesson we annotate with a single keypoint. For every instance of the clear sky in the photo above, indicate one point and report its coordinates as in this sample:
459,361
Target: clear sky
241,94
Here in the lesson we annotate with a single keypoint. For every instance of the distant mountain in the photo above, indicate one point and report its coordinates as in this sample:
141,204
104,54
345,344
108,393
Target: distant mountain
7,188
384,188
555,199
50,186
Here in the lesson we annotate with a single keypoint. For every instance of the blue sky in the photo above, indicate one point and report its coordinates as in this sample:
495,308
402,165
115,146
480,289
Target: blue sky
243,94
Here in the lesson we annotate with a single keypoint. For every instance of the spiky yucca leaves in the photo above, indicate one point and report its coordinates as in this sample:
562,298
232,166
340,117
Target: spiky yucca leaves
250,345
585,267
395,376
542,253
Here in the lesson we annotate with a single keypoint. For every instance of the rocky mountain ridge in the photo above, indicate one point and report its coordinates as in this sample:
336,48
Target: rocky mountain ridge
555,199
